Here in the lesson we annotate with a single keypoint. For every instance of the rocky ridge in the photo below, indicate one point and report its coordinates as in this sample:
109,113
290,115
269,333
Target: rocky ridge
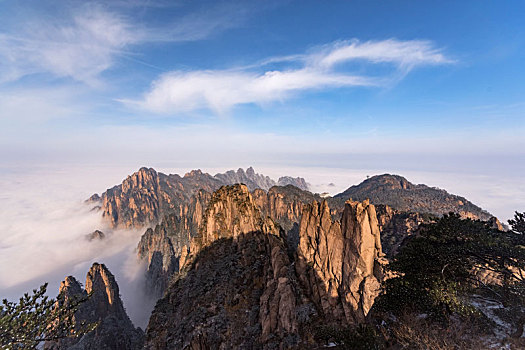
241,288
235,291
146,196
104,306
167,246
241,267
254,181
340,262
400,194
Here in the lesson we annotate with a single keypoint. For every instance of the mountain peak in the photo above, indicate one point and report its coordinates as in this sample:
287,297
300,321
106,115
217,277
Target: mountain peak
399,193
106,296
395,181
193,173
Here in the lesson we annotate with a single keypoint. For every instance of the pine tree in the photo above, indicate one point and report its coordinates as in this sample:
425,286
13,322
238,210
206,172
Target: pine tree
37,318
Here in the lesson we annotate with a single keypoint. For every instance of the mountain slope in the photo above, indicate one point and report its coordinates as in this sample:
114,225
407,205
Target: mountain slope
165,247
241,288
398,193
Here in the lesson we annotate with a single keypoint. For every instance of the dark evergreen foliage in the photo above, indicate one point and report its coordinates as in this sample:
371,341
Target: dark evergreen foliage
436,270
36,319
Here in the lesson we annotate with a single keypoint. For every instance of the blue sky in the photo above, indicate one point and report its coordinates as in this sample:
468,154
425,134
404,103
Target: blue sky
259,81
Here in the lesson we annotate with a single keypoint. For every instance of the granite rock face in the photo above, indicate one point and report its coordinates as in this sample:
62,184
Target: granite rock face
236,291
340,262
395,226
298,182
146,196
283,204
115,330
241,288
168,246
165,246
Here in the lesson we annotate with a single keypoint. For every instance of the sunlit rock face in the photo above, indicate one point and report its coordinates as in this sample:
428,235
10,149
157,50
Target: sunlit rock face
237,266
241,287
236,291
340,262
146,196
283,204
167,247
104,306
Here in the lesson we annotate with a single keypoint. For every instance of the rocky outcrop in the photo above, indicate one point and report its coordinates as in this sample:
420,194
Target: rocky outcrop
395,226
136,200
146,196
241,288
237,290
249,178
95,235
298,182
495,223
339,263
283,204
165,247
230,212
104,307
398,193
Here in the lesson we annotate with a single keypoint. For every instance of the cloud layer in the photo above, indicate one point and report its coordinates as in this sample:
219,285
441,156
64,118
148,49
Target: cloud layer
43,228
220,90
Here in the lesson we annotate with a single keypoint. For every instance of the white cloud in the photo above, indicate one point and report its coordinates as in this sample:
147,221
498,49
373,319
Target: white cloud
220,90
80,47
406,54
43,223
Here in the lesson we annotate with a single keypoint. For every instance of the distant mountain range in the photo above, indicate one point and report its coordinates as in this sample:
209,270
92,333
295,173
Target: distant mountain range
146,196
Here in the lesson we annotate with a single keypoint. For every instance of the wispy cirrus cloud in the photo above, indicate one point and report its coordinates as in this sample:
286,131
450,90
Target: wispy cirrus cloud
80,47
405,54
84,40
220,90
